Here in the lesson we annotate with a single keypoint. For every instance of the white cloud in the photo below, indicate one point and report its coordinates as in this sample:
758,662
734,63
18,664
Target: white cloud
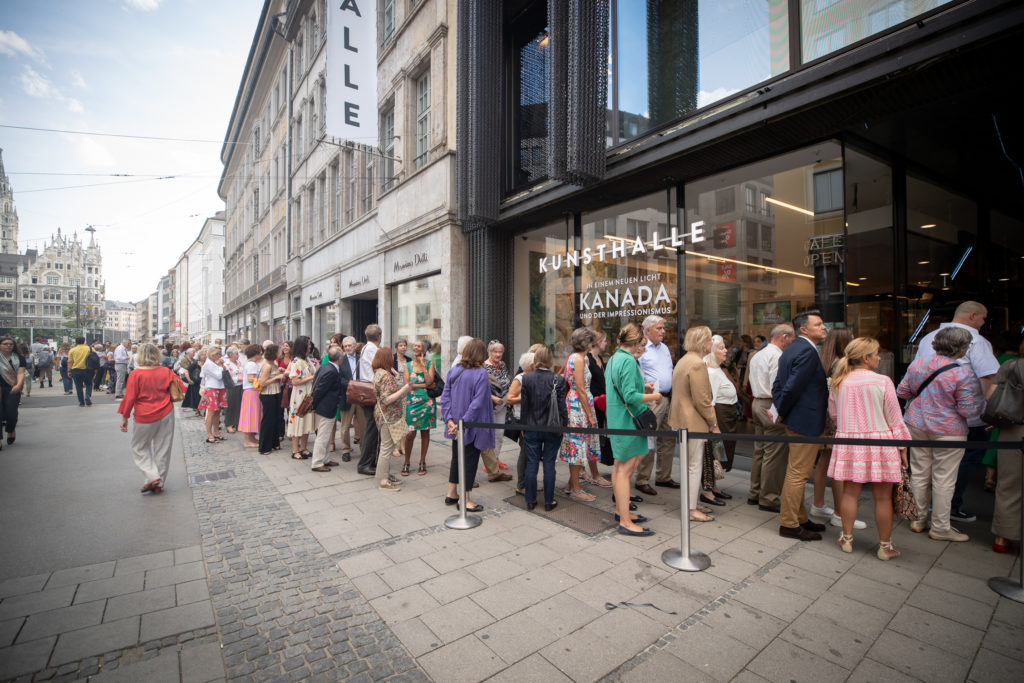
12,44
75,106
705,97
38,85
142,5
77,80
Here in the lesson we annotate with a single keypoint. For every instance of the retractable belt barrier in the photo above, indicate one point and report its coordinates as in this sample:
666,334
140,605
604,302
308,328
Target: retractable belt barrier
687,559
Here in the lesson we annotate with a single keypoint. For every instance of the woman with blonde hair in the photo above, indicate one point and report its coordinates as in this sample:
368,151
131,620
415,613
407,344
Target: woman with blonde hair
863,404
693,408
724,395
214,394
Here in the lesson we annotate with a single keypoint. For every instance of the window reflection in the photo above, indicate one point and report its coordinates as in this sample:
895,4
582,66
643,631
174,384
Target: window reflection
830,25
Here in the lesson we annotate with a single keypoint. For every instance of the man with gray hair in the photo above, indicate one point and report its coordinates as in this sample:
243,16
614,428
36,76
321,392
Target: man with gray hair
326,392
768,468
349,366
656,364
970,316
371,438
122,354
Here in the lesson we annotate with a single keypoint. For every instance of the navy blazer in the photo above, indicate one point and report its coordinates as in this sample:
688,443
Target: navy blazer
326,390
800,393
346,377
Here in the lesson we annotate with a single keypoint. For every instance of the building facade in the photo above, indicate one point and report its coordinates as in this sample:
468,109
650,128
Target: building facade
8,214
852,161
366,230
121,317
195,285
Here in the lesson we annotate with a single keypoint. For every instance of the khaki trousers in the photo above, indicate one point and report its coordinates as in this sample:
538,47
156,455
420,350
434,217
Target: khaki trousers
1006,517
665,449
151,447
768,468
694,463
387,447
323,426
348,418
793,511
933,475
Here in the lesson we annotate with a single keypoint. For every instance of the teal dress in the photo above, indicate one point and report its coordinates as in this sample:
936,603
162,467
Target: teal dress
419,409
623,373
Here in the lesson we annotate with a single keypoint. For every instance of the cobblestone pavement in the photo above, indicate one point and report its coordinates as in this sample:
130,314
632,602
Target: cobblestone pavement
284,610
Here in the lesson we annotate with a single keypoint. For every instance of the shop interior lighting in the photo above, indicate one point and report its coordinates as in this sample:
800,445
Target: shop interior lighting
920,325
776,202
960,263
927,226
923,263
1004,279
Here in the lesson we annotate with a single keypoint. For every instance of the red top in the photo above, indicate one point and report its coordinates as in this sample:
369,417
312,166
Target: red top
148,392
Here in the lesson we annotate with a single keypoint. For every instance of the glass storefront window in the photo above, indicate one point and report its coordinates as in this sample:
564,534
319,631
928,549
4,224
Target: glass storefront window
763,261
830,25
669,58
543,279
416,310
531,43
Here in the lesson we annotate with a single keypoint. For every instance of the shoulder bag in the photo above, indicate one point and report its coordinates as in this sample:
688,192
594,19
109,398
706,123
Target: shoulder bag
903,498
645,421
435,389
175,390
554,416
360,392
1005,408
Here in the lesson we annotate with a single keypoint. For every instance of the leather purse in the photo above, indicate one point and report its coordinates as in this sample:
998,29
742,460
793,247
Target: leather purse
360,393
903,498
1005,408
304,406
175,390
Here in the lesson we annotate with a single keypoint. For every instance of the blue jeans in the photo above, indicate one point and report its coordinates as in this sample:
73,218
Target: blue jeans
541,446
83,378
968,465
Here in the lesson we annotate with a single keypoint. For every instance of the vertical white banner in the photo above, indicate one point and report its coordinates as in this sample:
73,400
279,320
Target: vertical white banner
352,70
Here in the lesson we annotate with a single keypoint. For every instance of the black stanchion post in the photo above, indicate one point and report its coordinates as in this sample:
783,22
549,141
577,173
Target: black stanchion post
685,559
1004,585
463,520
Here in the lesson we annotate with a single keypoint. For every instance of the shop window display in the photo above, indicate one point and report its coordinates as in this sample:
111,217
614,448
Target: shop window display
416,310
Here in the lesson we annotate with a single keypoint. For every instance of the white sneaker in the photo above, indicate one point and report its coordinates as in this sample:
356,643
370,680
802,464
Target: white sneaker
838,521
823,511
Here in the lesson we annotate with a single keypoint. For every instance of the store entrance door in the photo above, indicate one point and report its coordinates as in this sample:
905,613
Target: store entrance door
364,313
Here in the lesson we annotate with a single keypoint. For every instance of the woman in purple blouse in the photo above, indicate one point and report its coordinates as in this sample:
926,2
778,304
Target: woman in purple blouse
467,396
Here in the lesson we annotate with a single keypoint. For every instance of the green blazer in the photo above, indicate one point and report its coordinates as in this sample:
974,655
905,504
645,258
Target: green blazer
623,373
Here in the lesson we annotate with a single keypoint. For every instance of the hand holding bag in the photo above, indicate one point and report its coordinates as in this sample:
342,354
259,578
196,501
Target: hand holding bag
175,390
304,406
903,503
645,421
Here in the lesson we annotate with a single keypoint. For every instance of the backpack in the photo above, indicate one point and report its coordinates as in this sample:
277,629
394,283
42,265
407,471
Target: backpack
92,361
45,359
554,417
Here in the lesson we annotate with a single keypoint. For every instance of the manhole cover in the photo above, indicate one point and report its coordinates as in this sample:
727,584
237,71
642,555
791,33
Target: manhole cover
210,476
577,516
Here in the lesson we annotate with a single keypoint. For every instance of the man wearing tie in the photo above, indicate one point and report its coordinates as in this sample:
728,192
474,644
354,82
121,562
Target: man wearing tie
800,398
326,390
347,411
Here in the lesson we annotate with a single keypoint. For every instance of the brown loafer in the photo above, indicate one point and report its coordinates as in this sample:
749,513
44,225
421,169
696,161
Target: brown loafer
322,468
501,476
799,533
670,484
646,488
331,463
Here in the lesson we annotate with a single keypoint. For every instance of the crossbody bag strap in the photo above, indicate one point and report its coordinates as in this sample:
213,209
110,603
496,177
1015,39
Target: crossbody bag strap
932,376
611,380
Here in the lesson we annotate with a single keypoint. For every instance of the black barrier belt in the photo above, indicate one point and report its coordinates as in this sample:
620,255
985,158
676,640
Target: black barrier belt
771,438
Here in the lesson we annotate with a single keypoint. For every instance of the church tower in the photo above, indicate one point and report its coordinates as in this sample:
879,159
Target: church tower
8,214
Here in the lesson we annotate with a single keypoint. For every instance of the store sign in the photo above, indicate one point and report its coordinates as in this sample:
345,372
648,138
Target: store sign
727,271
313,296
415,260
826,250
352,69
725,236
359,281
621,248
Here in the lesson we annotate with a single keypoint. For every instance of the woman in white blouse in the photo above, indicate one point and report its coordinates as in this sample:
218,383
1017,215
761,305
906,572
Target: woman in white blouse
214,396
723,391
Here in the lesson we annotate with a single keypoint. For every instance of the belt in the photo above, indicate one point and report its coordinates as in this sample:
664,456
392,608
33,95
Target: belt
666,394
762,398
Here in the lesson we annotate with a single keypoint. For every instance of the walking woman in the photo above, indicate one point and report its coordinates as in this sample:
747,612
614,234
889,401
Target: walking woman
252,410
270,379
627,395
533,410
300,376
214,394
62,364
863,404
467,397
388,414
234,392
419,409
147,395
578,450
12,381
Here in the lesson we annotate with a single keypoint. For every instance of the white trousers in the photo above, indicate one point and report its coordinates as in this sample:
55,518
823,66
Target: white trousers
694,466
933,475
151,447
323,426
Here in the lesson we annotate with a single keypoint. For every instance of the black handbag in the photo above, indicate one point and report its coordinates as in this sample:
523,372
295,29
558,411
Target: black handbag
645,421
437,388
225,376
1005,408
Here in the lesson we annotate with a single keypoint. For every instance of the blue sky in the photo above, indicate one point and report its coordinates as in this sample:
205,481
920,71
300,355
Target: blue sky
163,68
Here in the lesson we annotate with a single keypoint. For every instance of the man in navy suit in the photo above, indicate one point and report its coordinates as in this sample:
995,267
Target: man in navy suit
326,391
800,398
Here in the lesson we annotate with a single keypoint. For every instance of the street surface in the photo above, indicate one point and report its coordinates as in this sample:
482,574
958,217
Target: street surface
262,570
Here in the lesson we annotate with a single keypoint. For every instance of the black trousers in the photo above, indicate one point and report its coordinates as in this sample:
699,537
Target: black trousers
9,406
271,404
370,442
472,455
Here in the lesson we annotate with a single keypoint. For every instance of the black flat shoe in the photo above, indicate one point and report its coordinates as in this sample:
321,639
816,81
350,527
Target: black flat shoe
474,508
723,495
709,501
629,532
10,439
639,519
450,501
548,507
530,506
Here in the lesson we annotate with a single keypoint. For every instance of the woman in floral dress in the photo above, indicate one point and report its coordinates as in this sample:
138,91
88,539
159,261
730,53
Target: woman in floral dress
579,449
419,409
301,376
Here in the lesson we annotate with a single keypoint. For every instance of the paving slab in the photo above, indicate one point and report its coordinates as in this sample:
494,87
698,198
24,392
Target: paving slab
137,603
108,588
163,668
920,660
533,669
943,633
202,663
828,640
711,651
23,584
174,620
61,620
465,660
75,645
782,660
26,658
33,603
140,563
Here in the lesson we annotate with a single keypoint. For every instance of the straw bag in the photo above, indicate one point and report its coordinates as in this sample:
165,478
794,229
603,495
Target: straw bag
903,503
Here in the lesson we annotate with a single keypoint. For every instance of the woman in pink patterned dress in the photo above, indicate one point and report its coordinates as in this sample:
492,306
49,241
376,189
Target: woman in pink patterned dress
579,449
863,404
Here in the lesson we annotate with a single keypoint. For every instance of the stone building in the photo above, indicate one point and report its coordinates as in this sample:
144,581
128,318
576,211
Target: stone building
8,214
121,317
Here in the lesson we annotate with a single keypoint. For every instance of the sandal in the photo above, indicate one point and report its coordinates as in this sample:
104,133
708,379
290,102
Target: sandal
405,470
423,469
212,441
886,552
297,456
846,543
306,455
582,495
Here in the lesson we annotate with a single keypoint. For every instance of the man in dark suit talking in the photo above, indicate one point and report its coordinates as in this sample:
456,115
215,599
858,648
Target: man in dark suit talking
326,393
800,400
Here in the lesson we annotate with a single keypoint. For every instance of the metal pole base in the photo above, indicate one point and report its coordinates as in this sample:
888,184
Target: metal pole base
460,522
696,562
1008,588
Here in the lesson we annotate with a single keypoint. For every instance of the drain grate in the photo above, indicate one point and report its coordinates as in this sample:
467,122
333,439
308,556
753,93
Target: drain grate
211,476
577,516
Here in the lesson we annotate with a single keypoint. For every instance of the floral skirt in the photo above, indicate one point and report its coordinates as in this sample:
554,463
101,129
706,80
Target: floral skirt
251,413
214,399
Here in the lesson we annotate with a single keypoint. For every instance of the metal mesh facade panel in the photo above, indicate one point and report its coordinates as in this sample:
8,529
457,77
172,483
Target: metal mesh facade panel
558,86
490,290
672,71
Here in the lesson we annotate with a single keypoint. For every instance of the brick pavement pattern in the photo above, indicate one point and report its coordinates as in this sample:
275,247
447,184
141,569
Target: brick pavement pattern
284,610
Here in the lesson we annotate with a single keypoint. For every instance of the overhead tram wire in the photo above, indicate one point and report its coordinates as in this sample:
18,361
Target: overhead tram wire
73,187
158,138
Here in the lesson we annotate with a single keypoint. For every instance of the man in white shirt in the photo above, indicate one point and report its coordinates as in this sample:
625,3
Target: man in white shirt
656,365
768,468
349,370
970,315
122,354
371,439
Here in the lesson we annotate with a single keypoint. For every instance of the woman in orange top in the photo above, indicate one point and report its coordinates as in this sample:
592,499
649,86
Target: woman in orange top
147,392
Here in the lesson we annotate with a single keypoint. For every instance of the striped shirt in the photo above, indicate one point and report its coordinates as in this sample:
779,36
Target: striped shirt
947,403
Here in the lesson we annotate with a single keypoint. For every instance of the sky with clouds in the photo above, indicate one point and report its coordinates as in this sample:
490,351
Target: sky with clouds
154,68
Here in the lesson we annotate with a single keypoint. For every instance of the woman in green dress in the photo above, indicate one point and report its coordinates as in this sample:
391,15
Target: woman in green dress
419,409
626,398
